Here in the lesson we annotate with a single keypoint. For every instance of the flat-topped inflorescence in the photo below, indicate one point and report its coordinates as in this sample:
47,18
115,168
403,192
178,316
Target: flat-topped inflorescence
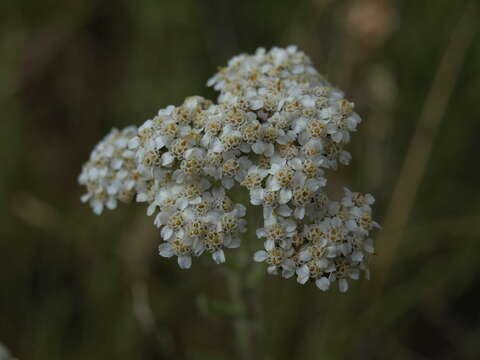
278,128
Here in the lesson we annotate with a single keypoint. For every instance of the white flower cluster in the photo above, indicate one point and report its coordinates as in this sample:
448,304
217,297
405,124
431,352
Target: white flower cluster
277,128
110,174
194,216
332,245
296,125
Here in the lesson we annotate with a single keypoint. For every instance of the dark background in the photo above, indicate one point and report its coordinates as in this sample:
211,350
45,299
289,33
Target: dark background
77,286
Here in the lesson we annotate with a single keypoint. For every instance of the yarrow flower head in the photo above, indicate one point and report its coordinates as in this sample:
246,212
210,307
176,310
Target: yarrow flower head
277,129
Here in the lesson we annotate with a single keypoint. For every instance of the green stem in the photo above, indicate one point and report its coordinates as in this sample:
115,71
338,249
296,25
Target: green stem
241,324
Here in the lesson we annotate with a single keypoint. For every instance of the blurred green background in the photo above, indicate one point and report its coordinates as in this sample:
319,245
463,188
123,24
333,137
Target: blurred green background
77,286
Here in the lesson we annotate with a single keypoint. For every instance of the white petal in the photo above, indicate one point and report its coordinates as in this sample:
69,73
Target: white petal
181,203
314,184
165,250
218,256
260,256
117,164
322,263
289,264
323,283
256,103
85,197
166,233
285,196
357,256
269,150
217,146
245,148
185,262
267,212
233,243
167,158
331,251
228,183
284,210
272,270
151,209
134,142
269,245
158,220
337,137
303,274
258,147
369,199
354,274
303,270
299,213
142,197
198,247
97,207
111,203
160,141
304,255
288,273
260,233
343,285
241,210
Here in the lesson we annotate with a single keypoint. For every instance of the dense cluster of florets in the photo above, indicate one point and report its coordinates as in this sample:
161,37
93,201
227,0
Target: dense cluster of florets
277,128
110,175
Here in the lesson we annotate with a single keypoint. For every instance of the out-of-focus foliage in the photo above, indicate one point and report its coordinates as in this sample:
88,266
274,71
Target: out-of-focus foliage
76,286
